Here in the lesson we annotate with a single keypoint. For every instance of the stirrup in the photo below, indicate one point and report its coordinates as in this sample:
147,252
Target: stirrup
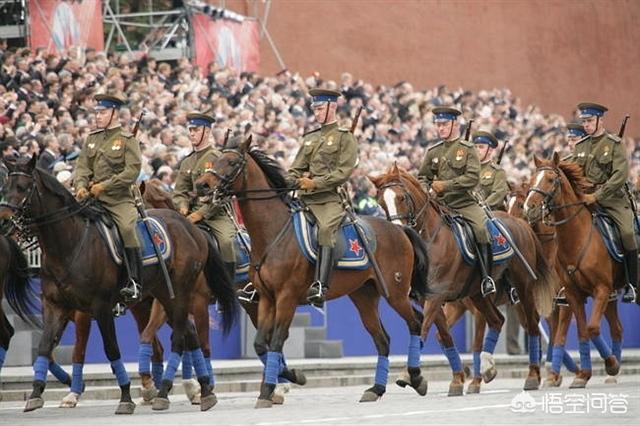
560,299
513,296
315,295
247,294
488,286
630,294
131,292
119,310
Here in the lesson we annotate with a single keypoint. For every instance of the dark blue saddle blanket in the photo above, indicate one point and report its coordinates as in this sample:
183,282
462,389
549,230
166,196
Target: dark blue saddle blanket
351,252
242,250
158,233
611,234
502,250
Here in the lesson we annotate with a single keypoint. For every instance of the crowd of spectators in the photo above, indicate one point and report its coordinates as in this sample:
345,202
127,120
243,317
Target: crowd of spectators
46,102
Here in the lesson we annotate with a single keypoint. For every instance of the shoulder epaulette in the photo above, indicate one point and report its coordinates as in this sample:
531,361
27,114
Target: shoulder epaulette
466,143
127,134
433,146
93,132
614,138
343,130
311,131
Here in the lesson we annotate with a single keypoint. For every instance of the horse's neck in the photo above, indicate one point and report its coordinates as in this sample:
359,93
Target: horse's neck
576,229
58,240
265,218
430,221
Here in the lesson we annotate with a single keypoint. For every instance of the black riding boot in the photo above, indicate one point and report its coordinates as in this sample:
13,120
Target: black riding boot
324,266
486,254
631,289
133,289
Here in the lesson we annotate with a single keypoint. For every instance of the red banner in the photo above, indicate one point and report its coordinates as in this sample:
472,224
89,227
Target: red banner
228,43
60,24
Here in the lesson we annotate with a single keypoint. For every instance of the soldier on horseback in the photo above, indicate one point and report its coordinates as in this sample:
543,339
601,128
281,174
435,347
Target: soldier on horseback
192,167
452,169
604,160
109,163
575,133
323,163
493,186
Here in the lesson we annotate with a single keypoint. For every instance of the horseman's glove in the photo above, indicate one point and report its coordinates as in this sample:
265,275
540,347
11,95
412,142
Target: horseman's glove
97,189
195,217
184,211
82,194
589,199
306,183
438,186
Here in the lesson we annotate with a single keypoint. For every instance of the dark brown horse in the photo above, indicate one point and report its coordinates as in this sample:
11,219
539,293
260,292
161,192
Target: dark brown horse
73,249
282,274
451,278
587,269
549,241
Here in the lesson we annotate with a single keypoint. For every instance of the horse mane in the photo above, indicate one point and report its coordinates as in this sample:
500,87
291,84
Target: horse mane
157,196
51,184
574,174
404,176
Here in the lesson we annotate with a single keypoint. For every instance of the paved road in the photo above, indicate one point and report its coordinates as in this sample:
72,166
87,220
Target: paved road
339,406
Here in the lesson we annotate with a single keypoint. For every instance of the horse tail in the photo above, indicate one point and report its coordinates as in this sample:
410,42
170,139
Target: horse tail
545,287
221,285
420,273
20,296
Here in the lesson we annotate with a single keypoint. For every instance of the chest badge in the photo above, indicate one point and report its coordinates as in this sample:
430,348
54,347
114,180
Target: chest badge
435,160
116,145
330,141
459,154
307,143
581,154
487,175
606,151
91,145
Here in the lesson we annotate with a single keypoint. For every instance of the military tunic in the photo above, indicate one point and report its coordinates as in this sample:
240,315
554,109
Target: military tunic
457,164
192,167
493,185
112,158
329,155
605,165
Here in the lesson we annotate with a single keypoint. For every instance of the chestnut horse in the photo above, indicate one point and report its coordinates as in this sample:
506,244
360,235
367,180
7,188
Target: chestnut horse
587,268
451,278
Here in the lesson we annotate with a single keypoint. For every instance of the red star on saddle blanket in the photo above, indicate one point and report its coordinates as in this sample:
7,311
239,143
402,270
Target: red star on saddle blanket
355,246
157,238
500,239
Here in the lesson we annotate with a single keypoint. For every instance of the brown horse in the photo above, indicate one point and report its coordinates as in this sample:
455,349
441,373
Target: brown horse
588,270
548,239
451,278
71,281
282,274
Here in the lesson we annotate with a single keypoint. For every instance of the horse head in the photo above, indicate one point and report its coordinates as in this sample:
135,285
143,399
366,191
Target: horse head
399,196
19,187
223,178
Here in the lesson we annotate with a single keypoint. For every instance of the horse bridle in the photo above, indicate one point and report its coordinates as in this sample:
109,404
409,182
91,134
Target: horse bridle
411,217
226,181
548,205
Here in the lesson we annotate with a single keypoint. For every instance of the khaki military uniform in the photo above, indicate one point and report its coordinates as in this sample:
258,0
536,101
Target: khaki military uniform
329,155
112,158
457,164
192,167
605,164
493,185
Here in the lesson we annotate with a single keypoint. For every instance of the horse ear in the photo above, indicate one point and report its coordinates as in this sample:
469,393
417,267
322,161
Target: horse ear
536,160
244,147
394,169
556,158
375,180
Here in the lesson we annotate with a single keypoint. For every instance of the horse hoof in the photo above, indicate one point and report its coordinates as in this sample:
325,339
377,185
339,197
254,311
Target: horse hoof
191,388
126,407
160,404
277,399
578,383
532,383
456,389
70,401
422,387
369,396
473,387
610,380
301,379
403,381
34,404
148,394
489,375
612,366
264,403
208,402
552,381
197,400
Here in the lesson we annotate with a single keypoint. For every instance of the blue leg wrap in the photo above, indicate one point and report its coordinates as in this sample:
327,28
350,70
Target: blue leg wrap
40,368
3,355
59,373
199,363
212,377
569,363
534,350
382,371
558,355
413,358
476,364
490,340
601,346
616,348
145,350
272,369
121,374
187,365
77,384
549,352
454,358
157,369
585,355
283,365
172,366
